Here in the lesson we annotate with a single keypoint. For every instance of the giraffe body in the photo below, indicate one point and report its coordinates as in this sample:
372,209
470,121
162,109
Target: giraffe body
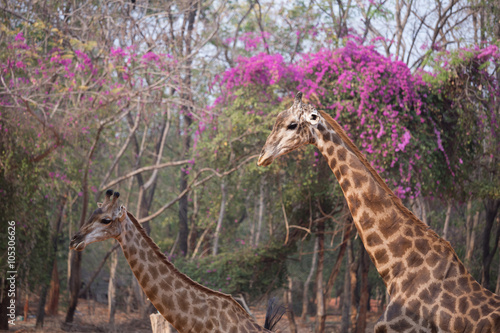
430,288
187,305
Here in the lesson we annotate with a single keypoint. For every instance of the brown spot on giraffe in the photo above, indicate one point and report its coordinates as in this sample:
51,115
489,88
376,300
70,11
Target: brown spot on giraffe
375,200
359,179
332,163
342,154
399,246
373,239
449,302
182,300
414,259
366,221
389,225
343,169
381,257
133,263
132,251
154,272
142,255
153,292
422,245
346,184
145,279
354,204
330,150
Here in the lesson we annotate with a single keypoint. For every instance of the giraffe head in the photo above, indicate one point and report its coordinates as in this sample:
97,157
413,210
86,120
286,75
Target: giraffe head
293,129
104,223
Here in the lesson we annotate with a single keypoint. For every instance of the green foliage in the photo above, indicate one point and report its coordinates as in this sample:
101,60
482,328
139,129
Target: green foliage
253,271
463,100
23,201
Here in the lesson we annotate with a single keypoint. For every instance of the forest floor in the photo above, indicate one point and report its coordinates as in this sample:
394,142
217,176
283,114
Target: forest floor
92,316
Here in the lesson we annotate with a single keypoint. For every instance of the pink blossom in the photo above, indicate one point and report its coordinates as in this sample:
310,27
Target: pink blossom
19,37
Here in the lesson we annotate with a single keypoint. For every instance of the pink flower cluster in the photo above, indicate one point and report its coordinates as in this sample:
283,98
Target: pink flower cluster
373,96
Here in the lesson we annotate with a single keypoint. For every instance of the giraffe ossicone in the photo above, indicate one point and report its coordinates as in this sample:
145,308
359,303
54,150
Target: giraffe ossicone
187,305
430,288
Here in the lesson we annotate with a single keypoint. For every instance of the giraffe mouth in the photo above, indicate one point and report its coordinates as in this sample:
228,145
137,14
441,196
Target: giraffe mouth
265,160
78,247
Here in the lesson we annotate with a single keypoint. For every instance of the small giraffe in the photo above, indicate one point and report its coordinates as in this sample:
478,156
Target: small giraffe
430,288
187,305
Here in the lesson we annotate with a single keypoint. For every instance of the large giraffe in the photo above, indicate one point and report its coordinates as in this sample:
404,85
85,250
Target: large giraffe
187,305
430,289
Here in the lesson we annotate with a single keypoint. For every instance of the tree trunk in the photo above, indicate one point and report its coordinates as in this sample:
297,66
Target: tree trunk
53,303
447,221
183,207
221,217
253,221
40,316
186,114
497,289
74,282
52,253
75,259
142,300
261,211
289,306
336,268
193,230
491,207
85,290
26,306
418,207
112,288
305,295
471,225
365,292
353,271
320,300
346,304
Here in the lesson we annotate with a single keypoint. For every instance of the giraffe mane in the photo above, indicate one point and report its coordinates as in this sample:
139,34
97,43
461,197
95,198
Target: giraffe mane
338,129
164,259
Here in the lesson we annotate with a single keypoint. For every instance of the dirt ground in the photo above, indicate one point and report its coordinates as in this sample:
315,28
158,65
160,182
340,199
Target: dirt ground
93,317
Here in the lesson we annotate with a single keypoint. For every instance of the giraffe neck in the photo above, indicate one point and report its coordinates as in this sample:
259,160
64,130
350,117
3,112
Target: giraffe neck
187,305
428,284
397,242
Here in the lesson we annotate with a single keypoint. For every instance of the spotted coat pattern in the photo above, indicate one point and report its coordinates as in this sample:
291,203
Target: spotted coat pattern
187,305
430,289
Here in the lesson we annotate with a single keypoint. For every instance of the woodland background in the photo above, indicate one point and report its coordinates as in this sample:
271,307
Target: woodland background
169,103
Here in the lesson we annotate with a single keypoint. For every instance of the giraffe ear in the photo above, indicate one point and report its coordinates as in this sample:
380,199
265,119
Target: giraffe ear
298,99
99,204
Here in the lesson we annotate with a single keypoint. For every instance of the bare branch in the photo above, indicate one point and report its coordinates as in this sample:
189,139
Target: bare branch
141,170
194,184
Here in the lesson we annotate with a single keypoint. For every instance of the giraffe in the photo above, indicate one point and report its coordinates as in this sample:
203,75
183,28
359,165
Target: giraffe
430,289
187,305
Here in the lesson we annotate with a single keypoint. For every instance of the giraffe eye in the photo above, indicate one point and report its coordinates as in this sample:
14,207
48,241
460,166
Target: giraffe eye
292,126
106,221
313,116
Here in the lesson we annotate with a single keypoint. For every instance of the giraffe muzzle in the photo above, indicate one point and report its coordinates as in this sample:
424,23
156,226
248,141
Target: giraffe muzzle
77,243
265,159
